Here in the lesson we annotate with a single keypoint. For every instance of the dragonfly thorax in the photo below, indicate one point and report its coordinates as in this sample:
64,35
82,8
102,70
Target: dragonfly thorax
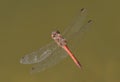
58,38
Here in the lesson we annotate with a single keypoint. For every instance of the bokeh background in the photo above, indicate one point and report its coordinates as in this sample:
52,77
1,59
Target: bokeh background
26,25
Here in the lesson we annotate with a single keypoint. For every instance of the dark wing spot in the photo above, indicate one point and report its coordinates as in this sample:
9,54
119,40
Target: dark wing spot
89,21
23,57
33,68
82,9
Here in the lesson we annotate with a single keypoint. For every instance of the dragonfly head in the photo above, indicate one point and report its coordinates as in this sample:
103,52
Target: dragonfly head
55,33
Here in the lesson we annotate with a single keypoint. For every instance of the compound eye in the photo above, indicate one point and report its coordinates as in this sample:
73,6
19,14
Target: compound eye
58,32
53,34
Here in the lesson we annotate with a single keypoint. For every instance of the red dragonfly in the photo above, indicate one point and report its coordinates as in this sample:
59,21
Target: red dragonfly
55,51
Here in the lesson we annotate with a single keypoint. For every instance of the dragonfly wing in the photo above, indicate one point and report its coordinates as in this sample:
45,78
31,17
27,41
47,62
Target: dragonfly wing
76,26
58,55
39,55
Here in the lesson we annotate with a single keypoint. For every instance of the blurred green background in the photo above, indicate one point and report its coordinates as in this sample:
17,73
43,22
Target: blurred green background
26,25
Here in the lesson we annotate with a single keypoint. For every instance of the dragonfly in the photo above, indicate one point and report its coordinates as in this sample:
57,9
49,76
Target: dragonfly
57,50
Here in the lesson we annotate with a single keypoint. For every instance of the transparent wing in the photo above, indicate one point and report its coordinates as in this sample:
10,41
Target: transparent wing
45,57
55,57
39,55
76,26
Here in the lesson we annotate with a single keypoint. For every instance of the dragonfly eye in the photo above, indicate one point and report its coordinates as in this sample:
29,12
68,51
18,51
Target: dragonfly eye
53,34
58,32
